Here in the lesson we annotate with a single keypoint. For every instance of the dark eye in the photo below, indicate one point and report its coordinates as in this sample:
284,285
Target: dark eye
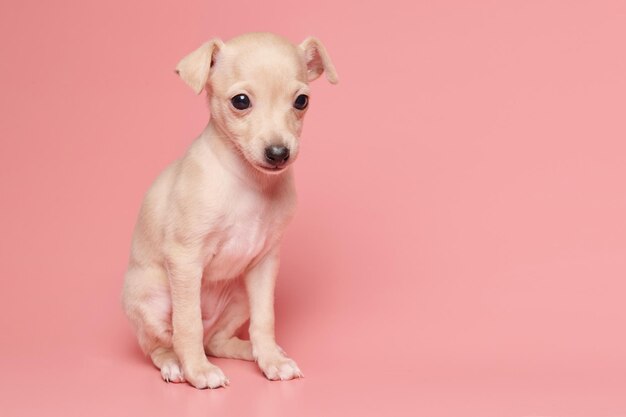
240,102
301,102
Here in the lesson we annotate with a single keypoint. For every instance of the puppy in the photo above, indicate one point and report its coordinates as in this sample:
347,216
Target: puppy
205,250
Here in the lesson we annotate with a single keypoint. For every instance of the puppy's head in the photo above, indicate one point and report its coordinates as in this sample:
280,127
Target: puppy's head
258,92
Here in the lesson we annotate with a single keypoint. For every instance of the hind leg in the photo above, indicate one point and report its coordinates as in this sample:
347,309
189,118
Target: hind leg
233,347
166,360
147,304
221,340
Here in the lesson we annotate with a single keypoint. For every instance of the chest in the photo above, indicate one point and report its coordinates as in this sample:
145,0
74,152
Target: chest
243,235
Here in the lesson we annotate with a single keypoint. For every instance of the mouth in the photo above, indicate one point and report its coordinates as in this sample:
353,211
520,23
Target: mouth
266,169
270,169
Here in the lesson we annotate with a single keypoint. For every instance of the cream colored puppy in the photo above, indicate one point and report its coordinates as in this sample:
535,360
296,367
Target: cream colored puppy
205,251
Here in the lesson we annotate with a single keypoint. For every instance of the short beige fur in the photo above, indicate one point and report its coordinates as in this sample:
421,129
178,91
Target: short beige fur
205,251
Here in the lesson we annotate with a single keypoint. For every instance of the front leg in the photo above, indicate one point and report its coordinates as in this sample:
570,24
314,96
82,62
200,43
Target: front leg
260,282
185,275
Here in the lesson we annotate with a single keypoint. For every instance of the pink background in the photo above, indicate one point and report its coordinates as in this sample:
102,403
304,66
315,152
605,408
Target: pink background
462,253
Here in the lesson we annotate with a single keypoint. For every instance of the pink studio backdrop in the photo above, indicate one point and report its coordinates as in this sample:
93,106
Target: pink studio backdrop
459,248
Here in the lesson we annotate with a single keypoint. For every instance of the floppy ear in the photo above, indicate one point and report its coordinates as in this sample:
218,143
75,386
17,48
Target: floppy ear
318,61
194,68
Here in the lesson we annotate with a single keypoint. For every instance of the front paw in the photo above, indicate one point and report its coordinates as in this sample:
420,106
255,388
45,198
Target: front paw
279,367
205,376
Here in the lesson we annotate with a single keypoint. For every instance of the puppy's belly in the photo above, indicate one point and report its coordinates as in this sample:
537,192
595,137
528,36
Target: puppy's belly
216,298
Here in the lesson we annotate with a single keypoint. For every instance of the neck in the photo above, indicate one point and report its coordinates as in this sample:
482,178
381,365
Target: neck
232,159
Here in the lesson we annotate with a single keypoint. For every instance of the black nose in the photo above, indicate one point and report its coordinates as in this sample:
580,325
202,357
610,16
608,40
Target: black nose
276,154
